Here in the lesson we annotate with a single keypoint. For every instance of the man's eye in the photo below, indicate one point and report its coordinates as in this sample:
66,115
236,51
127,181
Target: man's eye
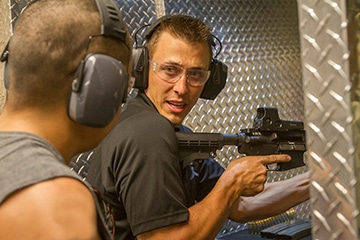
195,74
168,69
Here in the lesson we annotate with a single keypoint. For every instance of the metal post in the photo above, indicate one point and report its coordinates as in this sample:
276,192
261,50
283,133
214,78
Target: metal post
326,51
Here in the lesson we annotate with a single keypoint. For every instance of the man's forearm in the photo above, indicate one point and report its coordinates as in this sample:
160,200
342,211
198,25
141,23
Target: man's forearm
205,219
243,176
276,198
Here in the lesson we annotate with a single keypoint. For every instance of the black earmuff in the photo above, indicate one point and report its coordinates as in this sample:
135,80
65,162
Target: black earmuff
218,70
140,67
216,81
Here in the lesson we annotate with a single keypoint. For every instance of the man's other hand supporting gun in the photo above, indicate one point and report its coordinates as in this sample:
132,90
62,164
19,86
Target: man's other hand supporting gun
269,135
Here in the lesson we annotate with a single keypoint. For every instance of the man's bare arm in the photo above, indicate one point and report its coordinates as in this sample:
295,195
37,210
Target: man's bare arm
62,208
276,198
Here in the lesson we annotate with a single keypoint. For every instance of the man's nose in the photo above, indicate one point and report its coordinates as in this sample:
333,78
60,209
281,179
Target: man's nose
181,86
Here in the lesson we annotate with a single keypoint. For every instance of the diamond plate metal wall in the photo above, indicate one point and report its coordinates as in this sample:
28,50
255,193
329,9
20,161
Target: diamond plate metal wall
16,6
329,61
137,13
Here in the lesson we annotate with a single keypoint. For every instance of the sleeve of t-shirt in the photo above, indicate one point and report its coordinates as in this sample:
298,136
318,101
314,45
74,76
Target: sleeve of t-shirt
208,173
149,174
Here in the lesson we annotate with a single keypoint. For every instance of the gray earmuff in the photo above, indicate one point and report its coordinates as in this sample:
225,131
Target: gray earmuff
99,88
101,82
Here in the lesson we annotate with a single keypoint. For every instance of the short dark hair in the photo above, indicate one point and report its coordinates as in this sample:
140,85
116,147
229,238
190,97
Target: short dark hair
49,41
184,27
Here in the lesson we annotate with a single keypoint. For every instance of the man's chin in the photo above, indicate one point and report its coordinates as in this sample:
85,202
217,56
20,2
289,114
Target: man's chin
175,120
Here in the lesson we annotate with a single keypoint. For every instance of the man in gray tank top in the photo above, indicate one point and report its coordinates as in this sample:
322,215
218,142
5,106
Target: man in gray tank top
66,77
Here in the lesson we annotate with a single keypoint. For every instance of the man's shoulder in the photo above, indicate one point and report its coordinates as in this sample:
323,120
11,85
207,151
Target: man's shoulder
142,114
32,161
53,194
141,126
140,105
65,186
49,203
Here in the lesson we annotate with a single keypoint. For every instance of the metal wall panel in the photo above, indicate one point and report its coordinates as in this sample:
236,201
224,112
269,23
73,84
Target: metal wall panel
329,61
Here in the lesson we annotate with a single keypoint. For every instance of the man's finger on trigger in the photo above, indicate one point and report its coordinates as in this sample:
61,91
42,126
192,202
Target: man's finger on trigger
275,159
282,158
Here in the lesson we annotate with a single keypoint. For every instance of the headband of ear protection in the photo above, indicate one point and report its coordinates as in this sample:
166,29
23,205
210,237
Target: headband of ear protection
101,82
218,70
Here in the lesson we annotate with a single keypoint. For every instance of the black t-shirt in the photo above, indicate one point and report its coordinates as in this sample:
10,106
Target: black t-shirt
137,170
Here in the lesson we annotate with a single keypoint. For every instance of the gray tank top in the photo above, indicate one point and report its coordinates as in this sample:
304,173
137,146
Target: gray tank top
26,159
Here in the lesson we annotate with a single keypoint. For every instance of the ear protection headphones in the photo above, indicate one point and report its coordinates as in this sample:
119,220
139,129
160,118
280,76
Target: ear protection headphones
4,58
101,82
218,70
